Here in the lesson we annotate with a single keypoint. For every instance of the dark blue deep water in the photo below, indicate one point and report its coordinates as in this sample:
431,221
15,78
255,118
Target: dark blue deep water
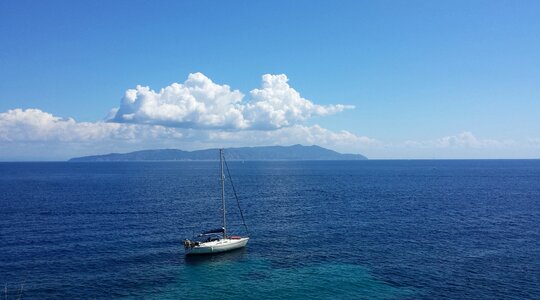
322,230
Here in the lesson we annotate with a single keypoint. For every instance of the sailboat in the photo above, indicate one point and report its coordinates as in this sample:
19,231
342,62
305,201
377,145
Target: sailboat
217,240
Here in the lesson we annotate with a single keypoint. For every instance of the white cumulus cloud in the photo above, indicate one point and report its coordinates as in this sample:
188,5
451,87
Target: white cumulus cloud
197,103
202,104
278,105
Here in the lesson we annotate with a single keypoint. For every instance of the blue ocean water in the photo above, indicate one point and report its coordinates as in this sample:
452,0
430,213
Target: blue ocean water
323,230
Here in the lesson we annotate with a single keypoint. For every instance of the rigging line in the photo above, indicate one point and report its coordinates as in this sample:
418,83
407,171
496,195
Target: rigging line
235,196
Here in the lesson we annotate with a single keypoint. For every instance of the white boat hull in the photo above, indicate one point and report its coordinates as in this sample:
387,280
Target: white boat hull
221,245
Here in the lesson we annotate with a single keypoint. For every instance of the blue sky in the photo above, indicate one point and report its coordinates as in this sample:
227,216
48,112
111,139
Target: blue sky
427,79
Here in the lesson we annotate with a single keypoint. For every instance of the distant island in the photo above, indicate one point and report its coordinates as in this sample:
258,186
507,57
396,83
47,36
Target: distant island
296,152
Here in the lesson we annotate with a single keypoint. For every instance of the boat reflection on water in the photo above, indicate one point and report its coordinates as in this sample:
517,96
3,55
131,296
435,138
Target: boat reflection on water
216,258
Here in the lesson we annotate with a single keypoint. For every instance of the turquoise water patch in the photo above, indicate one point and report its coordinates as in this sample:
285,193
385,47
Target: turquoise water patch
223,278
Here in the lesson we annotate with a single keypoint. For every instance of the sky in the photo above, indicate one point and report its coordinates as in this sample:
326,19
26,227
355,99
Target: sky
387,79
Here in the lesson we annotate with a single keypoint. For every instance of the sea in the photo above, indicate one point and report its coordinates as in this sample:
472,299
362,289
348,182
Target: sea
374,229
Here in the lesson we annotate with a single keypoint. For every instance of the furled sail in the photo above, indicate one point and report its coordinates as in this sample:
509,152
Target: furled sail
218,230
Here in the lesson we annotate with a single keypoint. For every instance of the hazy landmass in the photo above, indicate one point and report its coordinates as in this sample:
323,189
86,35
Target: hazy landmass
296,152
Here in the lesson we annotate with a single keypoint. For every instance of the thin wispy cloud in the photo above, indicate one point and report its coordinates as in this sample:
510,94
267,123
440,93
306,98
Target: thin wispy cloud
534,142
462,140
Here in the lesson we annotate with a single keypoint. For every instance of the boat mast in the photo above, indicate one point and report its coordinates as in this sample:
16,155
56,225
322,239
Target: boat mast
223,193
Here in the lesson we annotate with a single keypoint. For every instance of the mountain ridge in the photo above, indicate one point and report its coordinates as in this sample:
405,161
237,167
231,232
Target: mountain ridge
264,153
